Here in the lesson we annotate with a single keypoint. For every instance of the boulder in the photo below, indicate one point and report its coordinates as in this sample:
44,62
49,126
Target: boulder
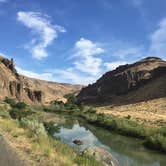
102,156
78,142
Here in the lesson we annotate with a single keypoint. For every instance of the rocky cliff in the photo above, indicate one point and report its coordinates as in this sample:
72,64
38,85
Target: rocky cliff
28,89
141,81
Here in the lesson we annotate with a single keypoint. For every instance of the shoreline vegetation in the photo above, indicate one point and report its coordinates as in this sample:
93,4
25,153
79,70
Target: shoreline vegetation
154,138
23,127
20,120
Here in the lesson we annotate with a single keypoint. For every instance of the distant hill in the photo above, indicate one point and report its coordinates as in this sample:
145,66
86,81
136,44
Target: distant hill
28,89
130,83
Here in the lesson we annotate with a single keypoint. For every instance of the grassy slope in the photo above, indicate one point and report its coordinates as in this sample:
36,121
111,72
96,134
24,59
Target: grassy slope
38,149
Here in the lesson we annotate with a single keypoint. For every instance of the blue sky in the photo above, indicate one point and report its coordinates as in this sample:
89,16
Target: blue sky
76,41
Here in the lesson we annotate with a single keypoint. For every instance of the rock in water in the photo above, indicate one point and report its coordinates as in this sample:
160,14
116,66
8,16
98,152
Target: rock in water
102,156
78,142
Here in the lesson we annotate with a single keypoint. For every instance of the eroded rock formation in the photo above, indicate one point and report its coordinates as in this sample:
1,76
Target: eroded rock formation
28,89
118,85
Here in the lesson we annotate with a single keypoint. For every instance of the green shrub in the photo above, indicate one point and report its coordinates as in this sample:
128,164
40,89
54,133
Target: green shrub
71,98
20,105
10,101
35,128
156,142
51,127
16,113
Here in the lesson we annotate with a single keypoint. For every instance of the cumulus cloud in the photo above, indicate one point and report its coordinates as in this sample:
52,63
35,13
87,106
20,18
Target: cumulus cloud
86,52
158,40
86,66
85,47
44,32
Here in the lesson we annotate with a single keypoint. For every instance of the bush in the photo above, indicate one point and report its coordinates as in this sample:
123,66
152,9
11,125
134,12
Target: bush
10,101
35,128
16,113
51,127
157,142
71,98
20,105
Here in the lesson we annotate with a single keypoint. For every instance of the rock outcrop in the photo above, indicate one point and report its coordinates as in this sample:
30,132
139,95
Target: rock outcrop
27,89
102,156
141,81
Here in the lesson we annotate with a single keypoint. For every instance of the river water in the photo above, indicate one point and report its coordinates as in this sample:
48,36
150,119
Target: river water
128,151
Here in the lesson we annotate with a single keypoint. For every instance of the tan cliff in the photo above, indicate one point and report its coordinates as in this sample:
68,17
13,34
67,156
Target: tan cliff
28,89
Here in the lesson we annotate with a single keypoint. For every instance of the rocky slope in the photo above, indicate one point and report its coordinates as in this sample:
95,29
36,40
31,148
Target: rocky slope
141,81
28,89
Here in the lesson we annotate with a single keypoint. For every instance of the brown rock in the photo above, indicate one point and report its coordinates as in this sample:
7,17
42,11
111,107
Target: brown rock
117,86
30,90
102,156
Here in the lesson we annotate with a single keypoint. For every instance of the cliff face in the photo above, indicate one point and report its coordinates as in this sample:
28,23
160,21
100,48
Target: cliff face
28,89
129,83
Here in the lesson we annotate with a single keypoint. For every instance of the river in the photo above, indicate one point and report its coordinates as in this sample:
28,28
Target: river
128,151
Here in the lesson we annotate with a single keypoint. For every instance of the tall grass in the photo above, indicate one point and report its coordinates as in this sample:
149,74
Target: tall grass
43,146
155,138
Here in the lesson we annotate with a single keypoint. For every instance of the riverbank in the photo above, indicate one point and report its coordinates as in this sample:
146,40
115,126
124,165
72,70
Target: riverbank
154,136
24,131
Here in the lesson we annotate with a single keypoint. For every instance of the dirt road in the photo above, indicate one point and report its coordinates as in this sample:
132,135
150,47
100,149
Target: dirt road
8,157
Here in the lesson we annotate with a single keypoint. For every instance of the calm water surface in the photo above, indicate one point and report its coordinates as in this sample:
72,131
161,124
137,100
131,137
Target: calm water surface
128,151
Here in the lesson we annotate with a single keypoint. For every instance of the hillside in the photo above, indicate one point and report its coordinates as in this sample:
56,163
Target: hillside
28,89
131,83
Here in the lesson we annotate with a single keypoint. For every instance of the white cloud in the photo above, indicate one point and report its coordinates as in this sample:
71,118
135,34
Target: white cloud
57,75
85,51
42,76
158,40
89,65
85,47
114,65
43,29
86,66
72,76
127,52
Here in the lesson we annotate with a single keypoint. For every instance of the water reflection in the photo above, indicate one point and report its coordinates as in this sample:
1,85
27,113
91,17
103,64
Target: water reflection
128,151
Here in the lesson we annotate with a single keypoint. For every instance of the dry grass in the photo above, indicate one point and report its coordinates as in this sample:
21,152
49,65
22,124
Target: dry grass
152,112
41,153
